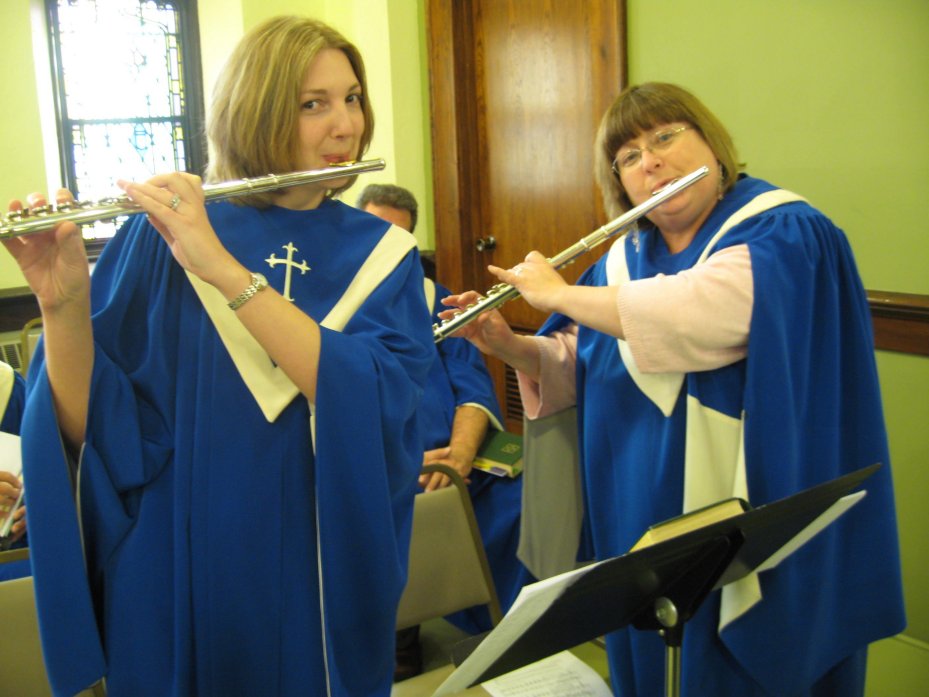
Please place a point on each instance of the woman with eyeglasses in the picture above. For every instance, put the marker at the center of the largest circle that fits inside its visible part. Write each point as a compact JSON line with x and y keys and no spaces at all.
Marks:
{"x":723,"y":348}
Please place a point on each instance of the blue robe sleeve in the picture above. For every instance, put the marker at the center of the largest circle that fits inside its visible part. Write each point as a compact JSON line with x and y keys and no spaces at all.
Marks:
{"x":70,"y":544}
{"x":371,"y":377}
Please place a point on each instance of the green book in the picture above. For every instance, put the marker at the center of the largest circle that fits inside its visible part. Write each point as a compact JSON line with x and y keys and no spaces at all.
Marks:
{"x":500,"y":454}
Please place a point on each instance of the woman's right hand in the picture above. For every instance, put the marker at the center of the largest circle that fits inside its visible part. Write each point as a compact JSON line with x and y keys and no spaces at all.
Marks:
{"x":54,"y":262}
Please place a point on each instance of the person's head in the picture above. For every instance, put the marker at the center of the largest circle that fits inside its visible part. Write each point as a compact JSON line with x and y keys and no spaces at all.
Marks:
{"x":292,"y":96}
{"x":390,"y":202}
{"x":637,"y":114}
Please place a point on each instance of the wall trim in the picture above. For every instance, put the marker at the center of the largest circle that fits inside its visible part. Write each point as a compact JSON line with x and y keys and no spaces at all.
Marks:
{"x":901,"y":321}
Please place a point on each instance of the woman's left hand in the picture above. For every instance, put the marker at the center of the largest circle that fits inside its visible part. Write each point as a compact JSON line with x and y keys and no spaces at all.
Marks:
{"x":537,"y":281}
{"x":176,"y":207}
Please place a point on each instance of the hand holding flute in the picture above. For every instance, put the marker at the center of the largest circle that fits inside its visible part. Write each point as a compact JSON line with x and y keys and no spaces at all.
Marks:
{"x":539,"y":283}
{"x":53,"y":261}
{"x":545,"y":289}
{"x":503,"y":292}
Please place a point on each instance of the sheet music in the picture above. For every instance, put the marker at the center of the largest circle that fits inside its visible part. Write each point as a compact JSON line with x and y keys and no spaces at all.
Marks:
{"x":11,"y":460}
{"x":561,"y":675}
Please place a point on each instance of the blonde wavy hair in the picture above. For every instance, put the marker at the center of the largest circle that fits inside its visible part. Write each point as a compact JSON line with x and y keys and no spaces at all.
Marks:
{"x":644,"y":107}
{"x":252,"y":125}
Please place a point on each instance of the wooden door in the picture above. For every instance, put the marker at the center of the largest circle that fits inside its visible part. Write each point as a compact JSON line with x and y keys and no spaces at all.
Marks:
{"x":518,"y":88}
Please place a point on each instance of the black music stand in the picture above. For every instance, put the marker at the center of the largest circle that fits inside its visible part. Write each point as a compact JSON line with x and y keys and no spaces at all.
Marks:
{"x":655,"y":588}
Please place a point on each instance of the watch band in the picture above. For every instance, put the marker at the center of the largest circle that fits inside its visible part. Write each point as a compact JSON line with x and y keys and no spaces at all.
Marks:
{"x":258,"y":283}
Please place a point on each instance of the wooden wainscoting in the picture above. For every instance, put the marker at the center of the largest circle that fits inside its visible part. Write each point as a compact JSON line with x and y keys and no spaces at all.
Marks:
{"x":901,"y":321}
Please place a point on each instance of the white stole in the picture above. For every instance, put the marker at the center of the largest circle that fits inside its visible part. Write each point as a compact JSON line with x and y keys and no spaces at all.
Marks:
{"x":7,"y":379}
{"x":714,"y":454}
{"x":269,"y":385}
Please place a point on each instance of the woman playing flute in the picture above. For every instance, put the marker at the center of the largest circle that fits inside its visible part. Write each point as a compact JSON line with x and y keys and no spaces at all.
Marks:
{"x":235,"y":394}
{"x":722,"y":349}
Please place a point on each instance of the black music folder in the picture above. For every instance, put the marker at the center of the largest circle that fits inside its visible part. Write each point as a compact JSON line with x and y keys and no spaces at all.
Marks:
{"x":571,"y":608}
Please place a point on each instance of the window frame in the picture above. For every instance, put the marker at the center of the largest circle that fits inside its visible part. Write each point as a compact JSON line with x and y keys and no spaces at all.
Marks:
{"x":192,"y":119}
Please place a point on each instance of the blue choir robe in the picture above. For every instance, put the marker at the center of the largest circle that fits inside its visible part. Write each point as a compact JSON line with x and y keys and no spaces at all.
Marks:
{"x":804,"y":407}
{"x":459,"y":377}
{"x":220,"y":535}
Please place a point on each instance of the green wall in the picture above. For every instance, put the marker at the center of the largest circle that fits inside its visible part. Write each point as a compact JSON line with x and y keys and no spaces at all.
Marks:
{"x":21,"y":146}
{"x":830,"y":98}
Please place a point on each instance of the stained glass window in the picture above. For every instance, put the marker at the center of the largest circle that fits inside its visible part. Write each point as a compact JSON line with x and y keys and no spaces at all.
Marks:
{"x":127,"y":78}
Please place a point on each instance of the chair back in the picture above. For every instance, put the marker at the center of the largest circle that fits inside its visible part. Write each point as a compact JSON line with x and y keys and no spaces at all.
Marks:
{"x":448,"y":569}
{"x":22,"y":668}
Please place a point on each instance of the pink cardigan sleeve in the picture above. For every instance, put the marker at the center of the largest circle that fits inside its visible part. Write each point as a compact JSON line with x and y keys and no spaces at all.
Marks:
{"x":697,"y":319}
{"x":557,"y":387}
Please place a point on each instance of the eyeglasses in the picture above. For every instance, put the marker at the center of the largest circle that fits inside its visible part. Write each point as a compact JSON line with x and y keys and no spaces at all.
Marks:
{"x":657,"y":142}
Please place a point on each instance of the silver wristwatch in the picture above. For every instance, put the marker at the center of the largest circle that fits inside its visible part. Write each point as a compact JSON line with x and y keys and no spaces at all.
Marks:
{"x":258,"y":283}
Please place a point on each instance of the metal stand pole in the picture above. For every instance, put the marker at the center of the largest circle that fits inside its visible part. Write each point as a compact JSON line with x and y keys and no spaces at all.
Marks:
{"x":673,"y":634}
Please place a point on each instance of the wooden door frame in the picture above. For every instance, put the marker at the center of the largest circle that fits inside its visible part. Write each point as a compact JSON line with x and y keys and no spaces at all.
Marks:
{"x":455,"y":137}
{"x":458,"y":153}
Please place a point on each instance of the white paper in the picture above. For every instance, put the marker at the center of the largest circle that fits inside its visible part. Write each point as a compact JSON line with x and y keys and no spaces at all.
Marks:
{"x":561,"y":675}
{"x":533,"y":600}
{"x":813,"y":529}
{"x":11,"y":460}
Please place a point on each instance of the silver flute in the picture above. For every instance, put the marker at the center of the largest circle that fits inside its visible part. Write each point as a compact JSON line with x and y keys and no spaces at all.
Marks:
{"x":502,"y":292}
{"x":37,"y":219}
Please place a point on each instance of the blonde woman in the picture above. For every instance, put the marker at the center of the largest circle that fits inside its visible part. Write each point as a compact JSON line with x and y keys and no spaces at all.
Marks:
{"x":240,"y":433}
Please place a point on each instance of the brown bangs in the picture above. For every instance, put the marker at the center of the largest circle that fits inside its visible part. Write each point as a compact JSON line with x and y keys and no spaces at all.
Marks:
{"x":642,"y":110}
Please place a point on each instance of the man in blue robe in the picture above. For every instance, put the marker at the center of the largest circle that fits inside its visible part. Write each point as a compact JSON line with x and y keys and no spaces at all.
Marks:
{"x":459,"y":405}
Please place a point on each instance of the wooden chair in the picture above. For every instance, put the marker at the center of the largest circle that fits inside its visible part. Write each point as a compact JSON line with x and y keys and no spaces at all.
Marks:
{"x":448,"y":569}
{"x":23,"y":669}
